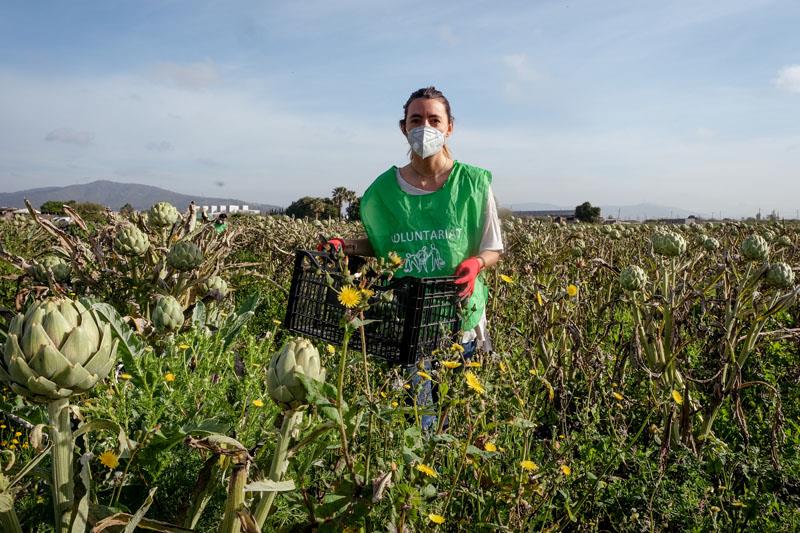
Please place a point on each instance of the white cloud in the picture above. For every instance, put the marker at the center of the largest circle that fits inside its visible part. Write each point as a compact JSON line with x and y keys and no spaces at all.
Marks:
{"x":191,"y":76}
{"x":70,"y":136}
{"x":159,"y":146}
{"x":788,"y":79}
{"x":520,"y":69}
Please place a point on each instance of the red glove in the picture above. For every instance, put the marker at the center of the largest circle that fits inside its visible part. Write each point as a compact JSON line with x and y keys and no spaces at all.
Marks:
{"x":334,"y":244}
{"x":467,"y":271}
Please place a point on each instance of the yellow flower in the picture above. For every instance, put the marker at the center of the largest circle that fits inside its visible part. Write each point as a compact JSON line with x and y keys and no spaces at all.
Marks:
{"x":427,"y":470}
{"x":406,"y":386}
{"x":472,"y":364}
{"x":17,"y":433}
{"x":566,"y":470}
{"x":367,"y":293}
{"x":125,"y":376}
{"x":456,"y":347}
{"x":395,"y":404}
{"x":529,"y":465}
{"x":258,"y":403}
{"x":539,"y":298}
{"x":572,"y":291}
{"x":474,"y":383}
{"x":490,"y":447}
{"x":169,"y":377}
{"x":503,"y":367}
{"x":451,"y":364}
{"x":532,"y":372}
{"x":617,"y":395}
{"x":395,"y":259}
{"x":507,"y":279}
{"x":349,"y":297}
{"x":109,"y":459}
{"x":677,"y":397}
{"x":183,"y":346}
{"x":423,"y":374}
{"x":276,"y":321}
{"x":435,"y":518}
{"x":330,"y":349}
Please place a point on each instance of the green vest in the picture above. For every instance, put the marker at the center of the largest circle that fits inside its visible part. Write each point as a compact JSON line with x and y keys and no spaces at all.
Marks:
{"x":432,"y":232}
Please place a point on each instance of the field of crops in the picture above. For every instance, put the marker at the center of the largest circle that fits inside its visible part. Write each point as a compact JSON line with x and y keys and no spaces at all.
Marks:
{"x":643,"y":378}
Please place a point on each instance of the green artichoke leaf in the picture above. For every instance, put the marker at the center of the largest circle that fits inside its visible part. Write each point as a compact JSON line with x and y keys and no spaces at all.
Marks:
{"x":323,"y":395}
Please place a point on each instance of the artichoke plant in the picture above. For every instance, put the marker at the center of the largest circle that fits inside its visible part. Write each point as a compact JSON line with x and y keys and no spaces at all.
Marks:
{"x":185,"y":256}
{"x":131,"y":241}
{"x":755,"y":248}
{"x":215,"y":286}
{"x":298,"y":356}
{"x":163,"y":214}
{"x":710,"y":244}
{"x":60,"y":268}
{"x":780,"y":276}
{"x":56,"y":349}
{"x":668,"y":243}
{"x":633,"y":278}
{"x":167,"y":314}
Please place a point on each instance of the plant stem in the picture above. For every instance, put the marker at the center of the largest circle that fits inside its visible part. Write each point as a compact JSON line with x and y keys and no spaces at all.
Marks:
{"x":9,"y":522}
{"x":61,"y":437}
{"x":277,"y":469}
{"x":235,"y":501}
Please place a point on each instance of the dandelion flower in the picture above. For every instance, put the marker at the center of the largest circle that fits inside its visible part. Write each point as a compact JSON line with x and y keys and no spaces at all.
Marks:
{"x":539,"y":298}
{"x":169,"y":377}
{"x":258,"y":403}
{"x":349,"y":297}
{"x":109,"y":459}
{"x":472,"y":364}
{"x":677,"y":397}
{"x":423,"y":374}
{"x":474,"y":383}
{"x":456,"y":347}
{"x":490,"y":447}
{"x":451,"y":364}
{"x":276,"y":321}
{"x":507,"y":279}
{"x":183,"y":346}
{"x":530,"y":466}
{"x":395,"y":404}
{"x":566,"y":470}
{"x":427,"y":470}
{"x":617,"y":395}
{"x":436,"y":518}
{"x":367,"y":293}
{"x":330,"y":349}
{"x":125,"y":376}
{"x":572,"y":290}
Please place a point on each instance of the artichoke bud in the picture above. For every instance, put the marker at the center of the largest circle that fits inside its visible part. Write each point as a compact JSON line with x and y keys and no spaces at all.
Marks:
{"x":131,"y":241}
{"x":163,"y":214}
{"x":755,"y":248}
{"x":56,"y":349}
{"x":185,"y":256}
{"x":668,"y":243}
{"x":633,"y":278}
{"x":780,"y":276}
{"x":167,"y":314}
{"x":215,"y":286}
{"x":61,"y":269}
{"x":297,"y":356}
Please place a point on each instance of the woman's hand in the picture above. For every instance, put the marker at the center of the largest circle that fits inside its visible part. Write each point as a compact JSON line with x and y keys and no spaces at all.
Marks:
{"x":467,"y":271}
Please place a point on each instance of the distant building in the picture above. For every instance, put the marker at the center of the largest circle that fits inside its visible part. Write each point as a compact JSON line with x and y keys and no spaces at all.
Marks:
{"x":552,"y":214}
{"x":213,"y":210}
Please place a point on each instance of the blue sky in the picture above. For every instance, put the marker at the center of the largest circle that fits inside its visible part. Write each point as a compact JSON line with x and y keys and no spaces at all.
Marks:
{"x":694,"y":104}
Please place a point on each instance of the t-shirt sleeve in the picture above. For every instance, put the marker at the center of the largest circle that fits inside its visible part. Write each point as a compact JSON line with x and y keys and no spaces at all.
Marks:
{"x":492,"y":238}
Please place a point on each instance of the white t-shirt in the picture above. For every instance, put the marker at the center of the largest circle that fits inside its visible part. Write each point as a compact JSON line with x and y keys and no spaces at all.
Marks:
{"x":492,"y":239}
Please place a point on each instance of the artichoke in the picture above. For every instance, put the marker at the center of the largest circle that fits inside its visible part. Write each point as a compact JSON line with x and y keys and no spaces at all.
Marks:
{"x":632,"y":278}
{"x":185,"y":256}
{"x":784,"y":240}
{"x":167,"y":314}
{"x":215,"y":285}
{"x":131,"y":241}
{"x":56,"y":349}
{"x":298,"y":356}
{"x":163,"y":214}
{"x":60,"y":268}
{"x":755,"y":248}
{"x":710,"y":244}
{"x":668,"y":243}
{"x":780,"y":276}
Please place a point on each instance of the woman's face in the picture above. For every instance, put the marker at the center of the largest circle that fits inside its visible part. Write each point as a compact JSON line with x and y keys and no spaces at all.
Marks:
{"x":428,"y":112}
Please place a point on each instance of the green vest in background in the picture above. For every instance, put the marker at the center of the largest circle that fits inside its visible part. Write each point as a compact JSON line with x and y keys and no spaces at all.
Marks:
{"x":432,"y":232}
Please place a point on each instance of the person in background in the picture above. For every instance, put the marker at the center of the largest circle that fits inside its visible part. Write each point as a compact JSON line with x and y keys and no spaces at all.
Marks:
{"x":435,"y":212}
{"x":221,"y":223}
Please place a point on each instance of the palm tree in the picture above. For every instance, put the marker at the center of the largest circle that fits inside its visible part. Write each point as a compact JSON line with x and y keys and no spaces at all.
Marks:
{"x":340,"y":196}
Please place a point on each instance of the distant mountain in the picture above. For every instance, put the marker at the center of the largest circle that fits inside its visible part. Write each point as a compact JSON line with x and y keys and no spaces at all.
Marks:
{"x":636,"y":211}
{"x":114,"y":195}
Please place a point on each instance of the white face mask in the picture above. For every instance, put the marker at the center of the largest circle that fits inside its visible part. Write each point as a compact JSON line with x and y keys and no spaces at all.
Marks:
{"x":426,"y":141}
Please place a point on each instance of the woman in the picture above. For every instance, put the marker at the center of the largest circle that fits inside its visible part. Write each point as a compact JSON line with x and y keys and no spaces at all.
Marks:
{"x":437,"y":213}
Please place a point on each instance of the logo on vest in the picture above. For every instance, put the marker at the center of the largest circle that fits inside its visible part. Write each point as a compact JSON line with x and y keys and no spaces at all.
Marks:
{"x":426,"y":259}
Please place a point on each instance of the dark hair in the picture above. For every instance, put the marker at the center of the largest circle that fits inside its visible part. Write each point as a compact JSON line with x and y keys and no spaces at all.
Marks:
{"x":431,"y":93}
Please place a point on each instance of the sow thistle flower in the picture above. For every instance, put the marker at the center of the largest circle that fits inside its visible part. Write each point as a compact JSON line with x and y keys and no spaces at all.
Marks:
{"x":566,"y":470}
{"x":617,"y":395}
{"x":507,"y":279}
{"x":423,"y":374}
{"x":474,"y":383}
{"x":490,"y":447}
{"x":258,"y":403}
{"x":451,"y":364}
{"x":436,"y":518}
{"x":349,"y":297}
{"x":427,"y":470}
{"x":528,"y":465}
{"x":572,"y":290}
{"x":109,"y":459}
{"x":676,"y":396}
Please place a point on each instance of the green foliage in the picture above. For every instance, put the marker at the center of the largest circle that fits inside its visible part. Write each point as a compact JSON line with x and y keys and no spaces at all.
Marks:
{"x":311,"y":207}
{"x":56,"y":207}
{"x":586,"y":213}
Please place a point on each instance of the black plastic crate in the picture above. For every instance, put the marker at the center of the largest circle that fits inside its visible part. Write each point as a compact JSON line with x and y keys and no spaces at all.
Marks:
{"x":422,"y":315}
